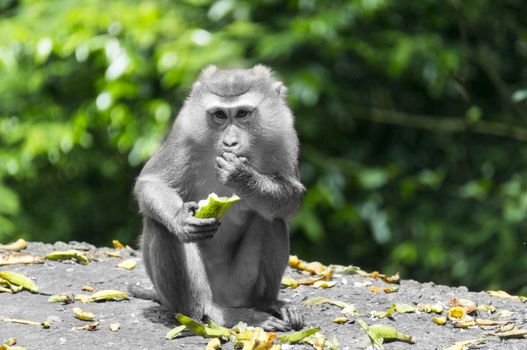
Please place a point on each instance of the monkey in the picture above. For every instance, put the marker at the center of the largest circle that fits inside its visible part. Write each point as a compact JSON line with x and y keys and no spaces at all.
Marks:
{"x":234,"y":134}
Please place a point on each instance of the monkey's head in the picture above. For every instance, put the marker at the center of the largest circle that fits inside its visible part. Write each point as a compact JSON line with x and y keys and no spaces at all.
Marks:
{"x":242,"y":111}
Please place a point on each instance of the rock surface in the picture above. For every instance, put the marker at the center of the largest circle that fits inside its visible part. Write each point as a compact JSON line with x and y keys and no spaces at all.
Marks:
{"x":144,"y":323}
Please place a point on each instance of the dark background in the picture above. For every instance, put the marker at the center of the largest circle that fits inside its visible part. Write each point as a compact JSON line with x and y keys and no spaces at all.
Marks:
{"x":412,"y":118}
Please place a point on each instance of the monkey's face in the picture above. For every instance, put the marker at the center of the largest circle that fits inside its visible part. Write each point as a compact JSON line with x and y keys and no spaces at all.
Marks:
{"x":241,"y":111}
{"x":233,"y":123}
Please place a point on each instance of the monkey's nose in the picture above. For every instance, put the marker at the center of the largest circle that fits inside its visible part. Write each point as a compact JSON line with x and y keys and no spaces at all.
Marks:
{"x":230,"y":143}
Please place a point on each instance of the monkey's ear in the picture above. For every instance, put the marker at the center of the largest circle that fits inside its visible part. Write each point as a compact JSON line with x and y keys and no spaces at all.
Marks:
{"x":260,"y":69}
{"x":208,"y":71}
{"x":280,"y":89}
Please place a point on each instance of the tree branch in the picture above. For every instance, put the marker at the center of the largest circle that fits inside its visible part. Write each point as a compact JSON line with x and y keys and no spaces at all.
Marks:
{"x":439,"y":123}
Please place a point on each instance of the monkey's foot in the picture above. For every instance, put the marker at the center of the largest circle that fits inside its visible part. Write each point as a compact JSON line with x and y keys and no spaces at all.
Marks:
{"x":272,"y":324}
{"x":288,"y":313}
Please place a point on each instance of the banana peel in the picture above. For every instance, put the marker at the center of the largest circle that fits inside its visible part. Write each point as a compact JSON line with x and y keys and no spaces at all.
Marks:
{"x":19,"y":280}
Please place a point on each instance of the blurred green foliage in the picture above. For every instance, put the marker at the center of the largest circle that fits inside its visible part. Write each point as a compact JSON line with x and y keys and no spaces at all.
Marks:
{"x":412,"y":117}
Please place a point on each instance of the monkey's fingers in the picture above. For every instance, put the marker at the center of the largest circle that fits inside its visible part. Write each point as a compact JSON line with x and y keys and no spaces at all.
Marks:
{"x":201,"y":236}
{"x":191,"y":207}
{"x":201,"y":229}
{"x":224,"y":164}
{"x":273,"y":324}
{"x":229,"y":156}
{"x":194,"y":221}
{"x":292,"y":317}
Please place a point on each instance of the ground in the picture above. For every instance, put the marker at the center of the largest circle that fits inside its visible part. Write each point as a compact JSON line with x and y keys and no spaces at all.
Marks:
{"x":144,"y":323}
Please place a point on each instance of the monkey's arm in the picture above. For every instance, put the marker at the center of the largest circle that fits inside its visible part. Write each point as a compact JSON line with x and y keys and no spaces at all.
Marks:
{"x":272,"y":195}
{"x":160,"y":202}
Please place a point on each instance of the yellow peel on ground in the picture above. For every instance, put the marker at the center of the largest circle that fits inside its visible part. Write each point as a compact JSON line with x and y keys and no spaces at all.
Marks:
{"x":514,"y":334}
{"x":213,"y":344}
{"x":214,"y":206}
{"x":19,"y":259}
{"x":67,"y":255}
{"x":128,"y":264}
{"x":324,"y":300}
{"x":102,"y":295}
{"x":503,"y":294}
{"x":89,"y":327}
{"x":340,"y":320}
{"x":60,"y":298}
{"x":175,"y":332}
{"x":380,"y":333}
{"x":324,"y":284}
{"x":45,"y":324}
{"x":439,"y":320}
{"x":108,"y":294}
{"x":462,"y":345}
{"x":19,"y":280}
{"x":117,"y":244}
{"x":17,"y":246}
{"x":298,"y":336}
{"x":429,"y":308}
{"x":456,"y":312}
{"x":202,"y":330}
{"x":83,"y":314}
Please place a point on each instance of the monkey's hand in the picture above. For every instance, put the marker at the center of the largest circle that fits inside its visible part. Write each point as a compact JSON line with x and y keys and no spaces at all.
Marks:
{"x":191,"y":229}
{"x":233,"y":170}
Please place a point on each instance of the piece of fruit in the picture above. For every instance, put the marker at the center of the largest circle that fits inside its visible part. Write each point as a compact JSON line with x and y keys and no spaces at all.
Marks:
{"x":214,"y":206}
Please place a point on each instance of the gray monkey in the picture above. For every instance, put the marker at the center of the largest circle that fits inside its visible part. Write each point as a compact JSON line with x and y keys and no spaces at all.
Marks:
{"x":234,"y":134}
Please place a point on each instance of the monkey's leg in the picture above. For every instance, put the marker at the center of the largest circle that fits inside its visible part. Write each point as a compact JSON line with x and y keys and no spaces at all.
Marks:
{"x":272,"y":270}
{"x":176,"y":270}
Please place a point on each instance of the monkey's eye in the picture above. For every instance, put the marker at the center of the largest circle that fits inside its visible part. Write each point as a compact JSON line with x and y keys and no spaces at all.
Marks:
{"x":242,"y":113}
{"x":219,"y":114}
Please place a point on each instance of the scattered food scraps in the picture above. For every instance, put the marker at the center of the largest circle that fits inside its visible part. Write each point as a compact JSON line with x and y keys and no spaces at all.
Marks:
{"x":503,"y":294}
{"x":462,"y":345}
{"x":439,"y":320}
{"x":102,"y":295}
{"x":20,"y":280}
{"x":114,"y":254}
{"x":175,"y":332}
{"x":456,"y":312}
{"x":513,"y":334}
{"x":340,"y":320}
{"x":213,"y":344}
{"x":380,"y":333}
{"x":69,"y":255}
{"x":323,"y":300}
{"x":114,"y":327}
{"x":319,"y":342}
{"x":45,"y":324}
{"x":19,"y":258}
{"x":60,"y":298}
{"x":127,"y":264}
{"x":298,"y":336}
{"x":17,"y":246}
{"x":88,"y":288}
{"x":324,"y":284}
{"x":202,"y":330}
{"x":117,"y":244}
{"x":314,"y":267}
{"x":386,"y":290}
{"x":89,"y":327}
{"x":429,"y":308}
{"x":83,"y":314}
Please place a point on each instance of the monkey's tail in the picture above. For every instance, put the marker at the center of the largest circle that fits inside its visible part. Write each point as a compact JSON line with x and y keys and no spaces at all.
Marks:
{"x":140,"y":292}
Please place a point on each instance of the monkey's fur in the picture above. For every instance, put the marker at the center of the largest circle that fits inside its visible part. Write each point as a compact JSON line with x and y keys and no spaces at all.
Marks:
{"x":234,"y":134}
